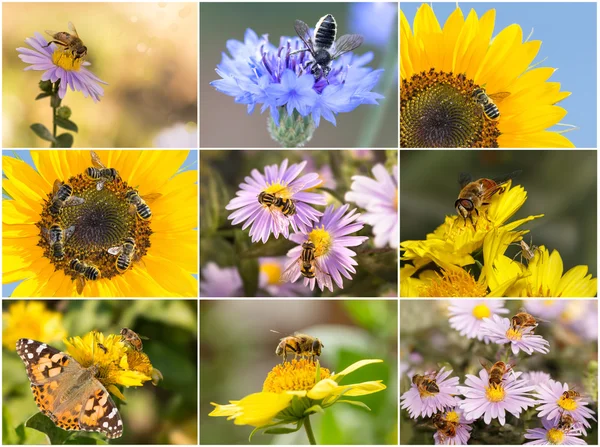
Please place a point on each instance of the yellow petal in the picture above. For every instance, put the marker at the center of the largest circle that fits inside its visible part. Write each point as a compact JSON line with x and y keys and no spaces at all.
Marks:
{"x":256,"y":409}
{"x":339,"y":376}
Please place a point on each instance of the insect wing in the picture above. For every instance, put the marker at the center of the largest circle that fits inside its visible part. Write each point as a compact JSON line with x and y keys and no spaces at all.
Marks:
{"x":346,"y":43}
{"x":80,"y":283}
{"x":69,"y":232}
{"x":505,"y":178}
{"x":291,"y":272}
{"x":49,"y":237}
{"x":115,"y":250}
{"x":74,"y":201}
{"x":96,"y":160}
{"x":56,"y":186}
{"x":303,"y":32}
{"x":499,"y":97}
{"x":323,"y":278}
{"x":72,"y":29}
{"x":149,"y":198}
{"x":279,"y":219}
{"x":100,"y":184}
{"x":464,"y":179}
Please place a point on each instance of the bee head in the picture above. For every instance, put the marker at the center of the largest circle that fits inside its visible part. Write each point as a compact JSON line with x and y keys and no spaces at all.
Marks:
{"x":316,"y":347}
{"x":308,"y":245}
{"x":464,"y":207}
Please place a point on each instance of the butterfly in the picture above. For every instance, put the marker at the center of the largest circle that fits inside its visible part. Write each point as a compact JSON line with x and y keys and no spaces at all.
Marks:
{"x":66,"y":392}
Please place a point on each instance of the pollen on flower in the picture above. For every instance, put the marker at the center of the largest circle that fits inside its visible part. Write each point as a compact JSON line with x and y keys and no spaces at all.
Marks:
{"x":495,"y":393}
{"x":65,"y":60}
{"x":514,"y":334}
{"x":297,"y":375}
{"x":481,"y":311}
{"x":454,"y":283}
{"x":555,"y":436}
{"x":567,"y":403}
{"x":273,"y":272}
{"x":452,"y":416}
{"x":322,"y":240}
{"x":279,"y":190}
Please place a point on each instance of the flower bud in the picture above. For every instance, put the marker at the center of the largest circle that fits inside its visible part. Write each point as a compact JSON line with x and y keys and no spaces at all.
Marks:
{"x":292,"y":131}
{"x":64,"y":112}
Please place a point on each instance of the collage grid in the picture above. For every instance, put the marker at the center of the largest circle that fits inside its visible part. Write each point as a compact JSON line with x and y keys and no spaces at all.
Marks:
{"x":217,"y":286}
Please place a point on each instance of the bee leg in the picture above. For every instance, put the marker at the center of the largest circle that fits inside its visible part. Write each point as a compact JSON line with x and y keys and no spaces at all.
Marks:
{"x":56,"y":42}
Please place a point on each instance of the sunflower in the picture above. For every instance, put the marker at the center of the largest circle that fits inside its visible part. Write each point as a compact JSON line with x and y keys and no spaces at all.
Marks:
{"x":96,"y":216}
{"x":450,"y":75}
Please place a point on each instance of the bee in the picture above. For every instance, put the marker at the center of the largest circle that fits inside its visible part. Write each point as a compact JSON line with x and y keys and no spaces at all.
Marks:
{"x":100,"y":173}
{"x":125,"y":254}
{"x":71,"y":42}
{"x":309,"y":267}
{"x":138,"y":205}
{"x":104,"y":349}
{"x":281,"y":209}
{"x":85,"y":271}
{"x":571,"y":394}
{"x":523,"y":319}
{"x":527,"y":251}
{"x":426,"y":383}
{"x":489,"y":107}
{"x":496,"y":372}
{"x":56,"y":237}
{"x":287,"y":206}
{"x":566,"y":422}
{"x":474,"y":194}
{"x":300,"y":345}
{"x":446,"y":428}
{"x":63,"y":196}
{"x":322,"y":45}
{"x":132,"y":339}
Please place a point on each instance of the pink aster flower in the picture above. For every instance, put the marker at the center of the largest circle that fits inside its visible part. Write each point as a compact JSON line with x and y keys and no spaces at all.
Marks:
{"x":466,"y":316}
{"x":536,"y":377}
{"x":282,"y":182}
{"x":493,"y":400}
{"x":499,"y":331}
{"x":56,"y":65}
{"x":551,"y":434}
{"x":463,"y":429}
{"x":553,"y":403}
{"x":330,"y":238}
{"x":220,"y":282}
{"x":545,"y":309}
{"x":423,"y":403}
{"x":379,"y":197}
{"x":270,"y":270}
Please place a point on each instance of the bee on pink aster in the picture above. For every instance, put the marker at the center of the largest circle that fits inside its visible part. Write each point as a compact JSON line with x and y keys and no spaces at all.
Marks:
{"x":323,"y":256}
{"x":430,"y":393}
{"x":553,"y":434}
{"x":269,"y":203}
{"x":521,"y":338}
{"x":466,"y":316}
{"x":454,"y":429}
{"x":556,"y":399}
{"x":490,"y":400}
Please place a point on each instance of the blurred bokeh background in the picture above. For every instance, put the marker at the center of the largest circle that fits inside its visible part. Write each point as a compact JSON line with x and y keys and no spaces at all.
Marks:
{"x":163,"y":414}
{"x":367,"y":126}
{"x":148,"y":54}
{"x":237,"y":350}
{"x":559,"y":184}
{"x":221,"y":172}
{"x":427,"y":342}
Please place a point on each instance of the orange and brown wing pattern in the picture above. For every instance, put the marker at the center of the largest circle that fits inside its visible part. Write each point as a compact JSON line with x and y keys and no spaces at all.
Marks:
{"x":44,"y":363}
{"x":100,"y":413}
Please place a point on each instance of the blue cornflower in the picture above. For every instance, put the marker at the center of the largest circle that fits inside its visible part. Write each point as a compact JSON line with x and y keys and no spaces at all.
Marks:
{"x":257,"y":73}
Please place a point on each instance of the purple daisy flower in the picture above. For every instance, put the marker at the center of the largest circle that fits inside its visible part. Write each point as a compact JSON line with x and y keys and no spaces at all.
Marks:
{"x":463,"y":429}
{"x":423,"y":403}
{"x":258,"y":73}
{"x":545,"y":309}
{"x":466,"y":316}
{"x":270,"y":279}
{"x":332,"y":257}
{"x":493,"y":401}
{"x":536,"y":377}
{"x":551,"y":434}
{"x":582,"y":318}
{"x":281,"y":182}
{"x":58,"y":65}
{"x":220,"y":282}
{"x":379,"y":198}
{"x":554,"y":403}
{"x":499,"y":331}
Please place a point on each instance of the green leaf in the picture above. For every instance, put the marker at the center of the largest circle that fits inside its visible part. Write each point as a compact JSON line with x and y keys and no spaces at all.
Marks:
{"x":42,"y":423}
{"x":64,"y":140}
{"x":314,"y":409}
{"x":281,"y":431}
{"x":42,"y":131}
{"x":356,"y":403}
{"x":42,"y":96}
{"x":66,"y":124}
{"x":55,"y":101}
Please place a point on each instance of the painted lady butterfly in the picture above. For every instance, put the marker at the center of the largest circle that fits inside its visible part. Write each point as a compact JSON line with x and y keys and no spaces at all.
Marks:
{"x":66,"y":392}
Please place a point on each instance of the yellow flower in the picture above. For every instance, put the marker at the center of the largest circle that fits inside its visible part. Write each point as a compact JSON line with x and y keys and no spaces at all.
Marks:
{"x":544,"y":278}
{"x":165,"y":252}
{"x":117,"y":362}
{"x":293,"y":391}
{"x":31,"y":319}
{"x":442,"y":67}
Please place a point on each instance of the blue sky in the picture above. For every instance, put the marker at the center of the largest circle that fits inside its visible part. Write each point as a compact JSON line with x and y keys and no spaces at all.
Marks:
{"x":568,"y":35}
{"x":191,"y":162}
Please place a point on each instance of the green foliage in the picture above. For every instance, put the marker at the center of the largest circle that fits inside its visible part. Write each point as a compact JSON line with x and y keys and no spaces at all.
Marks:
{"x":60,"y":118}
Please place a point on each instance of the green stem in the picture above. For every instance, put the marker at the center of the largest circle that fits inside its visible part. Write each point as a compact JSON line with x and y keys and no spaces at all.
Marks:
{"x":55,"y":104}
{"x":374,"y":121}
{"x":309,"y":431}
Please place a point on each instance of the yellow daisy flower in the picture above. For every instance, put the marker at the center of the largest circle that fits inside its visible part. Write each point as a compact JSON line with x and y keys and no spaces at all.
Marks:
{"x":118,"y":363}
{"x":448,"y":75}
{"x":31,"y":319}
{"x":292,"y":392}
{"x":99,"y":219}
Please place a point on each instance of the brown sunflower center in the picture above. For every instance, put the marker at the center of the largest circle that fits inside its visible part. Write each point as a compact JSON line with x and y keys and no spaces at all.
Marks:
{"x":437,"y":109}
{"x":92,"y":221}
